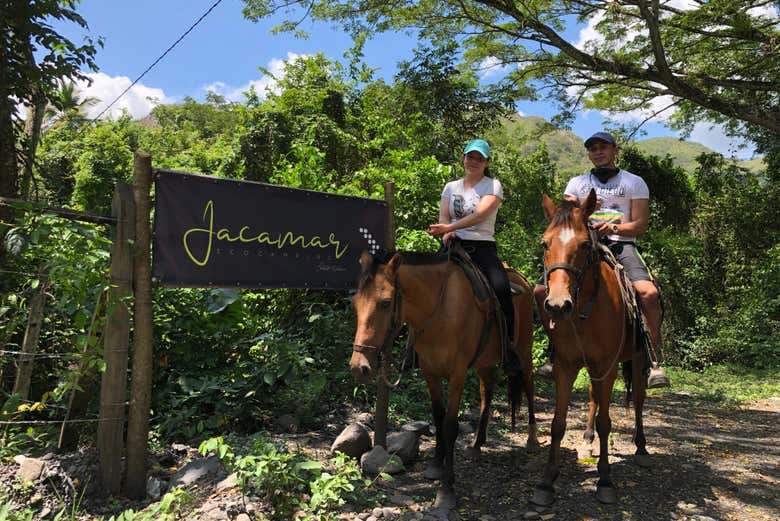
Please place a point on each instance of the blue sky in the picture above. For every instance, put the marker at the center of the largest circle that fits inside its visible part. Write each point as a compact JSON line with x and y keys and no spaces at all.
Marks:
{"x":224,"y":51}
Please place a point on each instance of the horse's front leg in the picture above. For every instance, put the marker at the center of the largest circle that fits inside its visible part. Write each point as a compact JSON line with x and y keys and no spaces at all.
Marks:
{"x":564,"y":375}
{"x":435,"y":469}
{"x":605,"y":490}
{"x":486,"y":384}
{"x":445,"y":496}
{"x":586,"y":449}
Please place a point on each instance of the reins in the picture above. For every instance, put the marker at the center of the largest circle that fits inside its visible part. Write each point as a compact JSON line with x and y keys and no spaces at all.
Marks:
{"x":395,"y":327}
{"x":594,"y":260}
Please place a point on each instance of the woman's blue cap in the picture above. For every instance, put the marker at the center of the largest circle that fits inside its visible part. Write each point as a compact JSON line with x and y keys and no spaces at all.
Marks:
{"x":480,"y":145}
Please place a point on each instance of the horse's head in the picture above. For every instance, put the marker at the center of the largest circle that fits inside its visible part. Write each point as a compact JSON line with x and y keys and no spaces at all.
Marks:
{"x":568,"y":248}
{"x":377,"y":305}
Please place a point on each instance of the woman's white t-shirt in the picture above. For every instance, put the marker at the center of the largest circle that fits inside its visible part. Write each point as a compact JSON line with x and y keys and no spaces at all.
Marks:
{"x":463,"y":201}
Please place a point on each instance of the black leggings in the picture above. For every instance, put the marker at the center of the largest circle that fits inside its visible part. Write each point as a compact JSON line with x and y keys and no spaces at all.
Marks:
{"x":484,"y":255}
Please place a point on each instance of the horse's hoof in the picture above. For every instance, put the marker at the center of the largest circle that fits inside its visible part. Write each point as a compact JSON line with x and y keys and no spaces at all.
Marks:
{"x":544,"y":497}
{"x":472,"y":453}
{"x":433,"y":471}
{"x":445,"y":499}
{"x":606,"y":494}
{"x":643,"y":460}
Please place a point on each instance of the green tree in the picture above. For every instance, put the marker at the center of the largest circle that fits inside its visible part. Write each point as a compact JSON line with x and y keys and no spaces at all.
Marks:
{"x":714,"y":60}
{"x":25,"y":31}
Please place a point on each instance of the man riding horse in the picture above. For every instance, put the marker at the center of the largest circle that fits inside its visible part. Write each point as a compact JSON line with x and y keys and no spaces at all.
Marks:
{"x":622,"y":214}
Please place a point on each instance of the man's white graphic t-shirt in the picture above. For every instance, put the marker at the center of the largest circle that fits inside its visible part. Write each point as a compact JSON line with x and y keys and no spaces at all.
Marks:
{"x":616,"y":196}
{"x":463,"y":202}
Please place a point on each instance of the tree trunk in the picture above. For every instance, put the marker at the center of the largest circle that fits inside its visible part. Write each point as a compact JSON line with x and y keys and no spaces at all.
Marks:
{"x":30,"y":342}
{"x":8,"y":165}
{"x":32,"y":134}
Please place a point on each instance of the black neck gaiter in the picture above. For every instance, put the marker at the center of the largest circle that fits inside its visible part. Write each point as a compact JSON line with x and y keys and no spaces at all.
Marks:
{"x":604,"y":173}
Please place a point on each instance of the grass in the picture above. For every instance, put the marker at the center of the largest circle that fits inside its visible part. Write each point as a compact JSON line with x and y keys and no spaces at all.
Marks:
{"x":718,"y":383}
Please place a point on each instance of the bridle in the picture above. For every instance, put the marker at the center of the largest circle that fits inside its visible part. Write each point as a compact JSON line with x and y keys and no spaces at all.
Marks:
{"x":592,"y":260}
{"x":392,"y":330}
{"x":396,"y":322}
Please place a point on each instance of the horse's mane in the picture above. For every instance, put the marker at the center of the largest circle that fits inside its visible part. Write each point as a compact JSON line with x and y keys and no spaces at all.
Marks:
{"x":412,"y":258}
{"x":565,"y":214}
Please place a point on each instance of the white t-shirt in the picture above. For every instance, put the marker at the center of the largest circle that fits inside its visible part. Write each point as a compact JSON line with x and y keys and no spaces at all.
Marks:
{"x":616,"y":196}
{"x":463,"y":202}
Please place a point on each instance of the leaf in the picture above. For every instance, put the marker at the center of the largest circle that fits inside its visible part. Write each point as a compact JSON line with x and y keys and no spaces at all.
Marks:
{"x":309,"y":465}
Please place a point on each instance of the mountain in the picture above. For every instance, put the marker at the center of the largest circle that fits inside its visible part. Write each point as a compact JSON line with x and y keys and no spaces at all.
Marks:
{"x":567,"y":152}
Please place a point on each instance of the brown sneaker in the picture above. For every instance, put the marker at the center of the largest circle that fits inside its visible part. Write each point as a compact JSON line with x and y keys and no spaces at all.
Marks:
{"x":657,"y":378}
{"x":545,"y":371}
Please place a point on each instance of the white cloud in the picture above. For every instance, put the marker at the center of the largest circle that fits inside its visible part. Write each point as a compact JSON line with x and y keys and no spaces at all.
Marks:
{"x":714,"y":137}
{"x":491,"y":66}
{"x":138,"y":101}
{"x":262,"y":86}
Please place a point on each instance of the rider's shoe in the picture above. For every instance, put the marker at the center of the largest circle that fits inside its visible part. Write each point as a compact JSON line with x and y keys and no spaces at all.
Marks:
{"x":657,"y":378}
{"x":545,"y":371}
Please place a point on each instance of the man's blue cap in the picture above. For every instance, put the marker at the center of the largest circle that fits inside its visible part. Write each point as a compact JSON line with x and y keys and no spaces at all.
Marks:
{"x":480,"y":145}
{"x":600,"y":136}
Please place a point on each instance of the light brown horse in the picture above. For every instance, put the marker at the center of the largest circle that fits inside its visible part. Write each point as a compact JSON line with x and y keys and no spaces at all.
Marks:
{"x":434,"y":297}
{"x":590,"y":328}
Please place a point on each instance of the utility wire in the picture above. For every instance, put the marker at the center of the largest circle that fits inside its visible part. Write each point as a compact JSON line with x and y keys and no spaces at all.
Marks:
{"x":169,"y":49}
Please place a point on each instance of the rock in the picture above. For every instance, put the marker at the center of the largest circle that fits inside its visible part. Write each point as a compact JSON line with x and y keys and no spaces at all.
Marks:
{"x":420,"y":428}
{"x":465,"y":428}
{"x":229,"y":482}
{"x":487,"y":518}
{"x":378,"y":460}
{"x":243,"y":517}
{"x":287,"y":423}
{"x":404,"y":444}
{"x":688,"y":509}
{"x":531,"y":514}
{"x":401,"y":500}
{"x":377,"y":512}
{"x":180,"y":448}
{"x":354,"y":441}
{"x":153,"y":488}
{"x":30,"y":469}
{"x":699,"y":517}
{"x":196,"y":470}
{"x":35,"y":499}
{"x":363,"y":516}
{"x":389,"y":513}
{"x":365,"y":418}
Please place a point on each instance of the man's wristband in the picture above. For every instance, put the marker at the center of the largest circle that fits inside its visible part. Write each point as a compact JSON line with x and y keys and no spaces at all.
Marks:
{"x":614,"y":228}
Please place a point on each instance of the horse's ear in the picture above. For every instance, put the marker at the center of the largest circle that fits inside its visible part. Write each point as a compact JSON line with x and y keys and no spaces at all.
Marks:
{"x":589,"y":206}
{"x":366,"y":260}
{"x":548,"y":206}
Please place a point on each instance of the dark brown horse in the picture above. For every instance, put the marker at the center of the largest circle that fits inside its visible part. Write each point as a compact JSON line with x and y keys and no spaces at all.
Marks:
{"x":590,"y":328}
{"x":434,"y":297}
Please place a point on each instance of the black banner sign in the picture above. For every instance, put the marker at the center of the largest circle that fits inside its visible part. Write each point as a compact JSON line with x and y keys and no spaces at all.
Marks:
{"x":221,"y":232}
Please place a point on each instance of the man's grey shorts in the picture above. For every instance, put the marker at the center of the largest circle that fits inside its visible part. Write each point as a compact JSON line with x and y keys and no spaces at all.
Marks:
{"x":626,"y":254}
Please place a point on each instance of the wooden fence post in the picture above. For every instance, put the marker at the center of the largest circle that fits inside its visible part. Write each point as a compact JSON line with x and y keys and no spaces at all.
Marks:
{"x":30,"y":342}
{"x":141,"y":381}
{"x":113,"y":386}
{"x":382,"y":390}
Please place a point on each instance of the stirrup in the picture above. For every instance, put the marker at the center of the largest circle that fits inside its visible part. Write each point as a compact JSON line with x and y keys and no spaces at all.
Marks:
{"x":657,"y":378}
{"x":545,"y":371}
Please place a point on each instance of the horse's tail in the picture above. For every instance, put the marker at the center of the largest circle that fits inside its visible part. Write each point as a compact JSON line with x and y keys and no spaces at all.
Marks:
{"x":514,"y":391}
{"x":628,"y":371}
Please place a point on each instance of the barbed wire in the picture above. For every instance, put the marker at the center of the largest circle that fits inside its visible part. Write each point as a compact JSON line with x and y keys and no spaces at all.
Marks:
{"x":41,"y":355}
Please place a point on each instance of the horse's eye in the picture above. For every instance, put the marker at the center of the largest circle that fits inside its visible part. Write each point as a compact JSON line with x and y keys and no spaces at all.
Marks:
{"x":386,"y":303}
{"x":543,"y":245}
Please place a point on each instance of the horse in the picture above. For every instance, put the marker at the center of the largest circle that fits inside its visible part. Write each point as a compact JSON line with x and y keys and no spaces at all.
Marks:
{"x":452,"y":331}
{"x":590,"y":327}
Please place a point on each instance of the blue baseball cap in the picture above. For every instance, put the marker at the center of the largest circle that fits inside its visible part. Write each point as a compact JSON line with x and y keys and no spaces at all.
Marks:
{"x":480,"y":145}
{"x":600,"y":136}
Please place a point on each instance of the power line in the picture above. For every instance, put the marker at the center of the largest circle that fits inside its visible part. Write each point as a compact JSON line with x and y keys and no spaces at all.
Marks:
{"x":169,"y":49}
